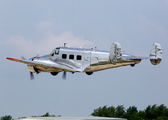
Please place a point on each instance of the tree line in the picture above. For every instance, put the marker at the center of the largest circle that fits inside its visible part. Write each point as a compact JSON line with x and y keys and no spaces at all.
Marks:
{"x":9,"y":117}
{"x":153,"y":112}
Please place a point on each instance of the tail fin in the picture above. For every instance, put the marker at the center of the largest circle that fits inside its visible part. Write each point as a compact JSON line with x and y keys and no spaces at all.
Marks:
{"x":156,"y":54}
{"x":115,"y":52}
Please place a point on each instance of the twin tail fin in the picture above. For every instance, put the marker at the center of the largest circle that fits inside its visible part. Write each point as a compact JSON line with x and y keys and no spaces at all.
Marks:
{"x":156,"y":54}
{"x":115,"y":52}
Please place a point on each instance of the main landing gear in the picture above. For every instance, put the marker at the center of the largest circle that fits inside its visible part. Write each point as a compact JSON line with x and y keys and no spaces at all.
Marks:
{"x":54,"y":73}
{"x":132,"y":65}
{"x":89,"y":73}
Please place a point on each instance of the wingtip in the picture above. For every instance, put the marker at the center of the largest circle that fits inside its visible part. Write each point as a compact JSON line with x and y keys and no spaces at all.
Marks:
{"x":13,"y":59}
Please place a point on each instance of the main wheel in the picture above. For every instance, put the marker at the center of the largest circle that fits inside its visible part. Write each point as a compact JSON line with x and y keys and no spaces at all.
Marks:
{"x":89,"y":73}
{"x":132,"y":65}
{"x":54,"y":73}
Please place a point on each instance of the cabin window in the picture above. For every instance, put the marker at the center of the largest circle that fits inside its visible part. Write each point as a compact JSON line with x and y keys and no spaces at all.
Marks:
{"x":71,"y":56}
{"x":78,"y":57}
{"x":64,"y":56}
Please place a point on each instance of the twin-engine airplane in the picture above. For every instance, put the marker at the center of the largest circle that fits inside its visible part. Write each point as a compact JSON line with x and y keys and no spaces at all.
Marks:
{"x":67,"y":59}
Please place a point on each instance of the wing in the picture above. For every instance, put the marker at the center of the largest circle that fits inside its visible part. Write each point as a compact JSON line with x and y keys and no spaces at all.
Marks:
{"x":48,"y":65}
{"x":128,"y":56}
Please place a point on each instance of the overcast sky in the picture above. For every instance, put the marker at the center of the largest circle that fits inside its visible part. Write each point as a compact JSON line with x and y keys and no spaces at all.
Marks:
{"x":31,"y":27}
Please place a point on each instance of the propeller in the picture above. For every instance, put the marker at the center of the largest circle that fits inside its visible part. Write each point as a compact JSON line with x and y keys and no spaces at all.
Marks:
{"x":31,"y":76}
{"x":37,"y":55}
{"x":64,"y":75}
{"x":31,"y":73}
{"x":23,"y":58}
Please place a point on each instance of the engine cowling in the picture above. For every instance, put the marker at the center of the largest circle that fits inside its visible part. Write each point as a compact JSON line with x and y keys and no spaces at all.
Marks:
{"x":32,"y":69}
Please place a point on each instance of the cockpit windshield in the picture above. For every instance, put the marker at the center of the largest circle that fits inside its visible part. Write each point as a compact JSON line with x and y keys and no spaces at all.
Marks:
{"x":55,"y":51}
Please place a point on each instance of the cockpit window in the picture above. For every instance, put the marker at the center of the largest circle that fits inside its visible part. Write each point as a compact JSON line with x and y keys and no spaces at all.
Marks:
{"x":57,"y":51}
{"x":52,"y":54}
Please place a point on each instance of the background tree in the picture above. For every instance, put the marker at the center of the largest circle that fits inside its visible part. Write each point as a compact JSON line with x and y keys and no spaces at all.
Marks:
{"x":112,"y":111}
{"x":104,"y":111}
{"x":47,"y":115}
{"x":120,"y":111}
{"x":131,"y":113}
{"x":6,"y":117}
{"x":150,"y":113}
{"x":141,"y":114}
{"x":156,"y":112}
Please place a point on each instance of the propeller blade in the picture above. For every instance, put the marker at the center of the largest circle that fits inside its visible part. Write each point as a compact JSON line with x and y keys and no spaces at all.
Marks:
{"x":31,"y":76}
{"x":37,"y":55}
{"x":23,"y":58}
{"x":64,"y":75}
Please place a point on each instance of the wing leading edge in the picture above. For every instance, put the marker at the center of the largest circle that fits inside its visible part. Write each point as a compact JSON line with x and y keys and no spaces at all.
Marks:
{"x":49,"y":65}
{"x":135,"y":57}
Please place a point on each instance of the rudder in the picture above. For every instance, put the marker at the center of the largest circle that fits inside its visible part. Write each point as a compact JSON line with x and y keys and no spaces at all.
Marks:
{"x":115,"y":52}
{"x":156,"y":54}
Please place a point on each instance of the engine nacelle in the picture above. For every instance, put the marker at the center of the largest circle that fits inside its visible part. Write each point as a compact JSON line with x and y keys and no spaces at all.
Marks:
{"x":32,"y":69}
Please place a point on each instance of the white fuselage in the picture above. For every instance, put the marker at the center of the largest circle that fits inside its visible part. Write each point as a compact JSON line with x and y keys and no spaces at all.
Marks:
{"x":80,"y":60}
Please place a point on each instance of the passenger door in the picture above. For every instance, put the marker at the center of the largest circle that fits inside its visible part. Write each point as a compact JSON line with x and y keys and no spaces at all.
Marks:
{"x":87,"y":60}
{"x":94,"y":60}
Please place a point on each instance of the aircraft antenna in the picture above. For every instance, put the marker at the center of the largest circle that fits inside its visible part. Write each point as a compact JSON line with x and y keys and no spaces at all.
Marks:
{"x":69,"y":45}
{"x":65,"y":44}
{"x":81,"y":45}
